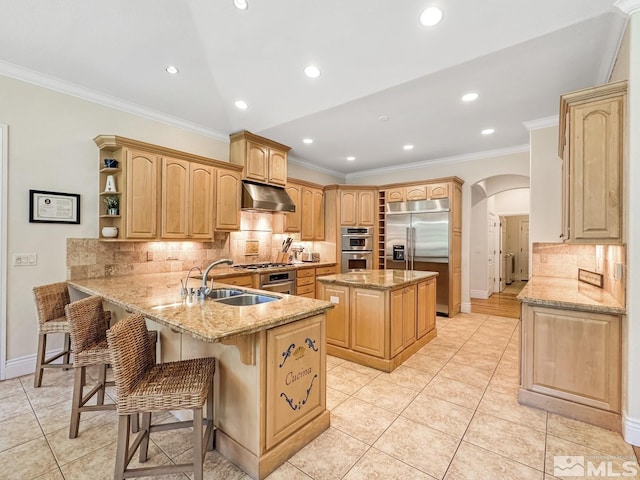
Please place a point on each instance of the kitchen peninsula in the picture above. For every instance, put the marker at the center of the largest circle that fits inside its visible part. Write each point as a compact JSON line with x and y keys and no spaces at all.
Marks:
{"x":381,"y":317}
{"x":270,"y":390}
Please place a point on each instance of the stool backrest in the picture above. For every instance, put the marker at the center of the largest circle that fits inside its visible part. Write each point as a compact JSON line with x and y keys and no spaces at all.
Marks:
{"x":50,"y":301}
{"x":86,"y":322}
{"x":131,"y":353}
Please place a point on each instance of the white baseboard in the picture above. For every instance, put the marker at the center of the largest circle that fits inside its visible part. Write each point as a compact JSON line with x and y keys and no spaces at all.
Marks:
{"x":631,"y":430}
{"x":479,"y":294}
{"x":17,"y":367}
{"x":465,"y":307}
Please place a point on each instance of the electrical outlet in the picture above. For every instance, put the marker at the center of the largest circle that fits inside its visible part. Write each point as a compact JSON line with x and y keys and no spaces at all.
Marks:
{"x":25,"y":259}
{"x":619,"y":271}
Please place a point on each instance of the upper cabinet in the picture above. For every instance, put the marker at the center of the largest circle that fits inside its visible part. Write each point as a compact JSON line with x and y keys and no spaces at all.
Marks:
{"x":308,"y":219}
{"x":263,"y":160}
{"x":591,"y":146}
{"x":417,"y":192}
{"x":358,"y":208}
{"x":165,"y":194}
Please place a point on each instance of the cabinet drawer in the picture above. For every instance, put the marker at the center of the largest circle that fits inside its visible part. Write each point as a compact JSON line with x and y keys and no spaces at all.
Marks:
{"x":306,"y":289}
{"x":305,"y":281}
{"x":305,"y":272}
{"x":306,"y":295}
{"x":325,"y":271}
{"x":240,"y":281}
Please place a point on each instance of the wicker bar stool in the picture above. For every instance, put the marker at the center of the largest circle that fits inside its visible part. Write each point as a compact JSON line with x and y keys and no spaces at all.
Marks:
{"x":143,"y":387}
{"x":50,"y":302}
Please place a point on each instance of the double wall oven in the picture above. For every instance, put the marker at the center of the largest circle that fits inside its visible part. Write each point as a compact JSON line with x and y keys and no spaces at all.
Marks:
{"x":357,"y":249}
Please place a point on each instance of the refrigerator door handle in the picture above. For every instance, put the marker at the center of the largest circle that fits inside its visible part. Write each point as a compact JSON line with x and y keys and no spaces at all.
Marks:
{"x":413,"y":246}
{"x":407,"y":241}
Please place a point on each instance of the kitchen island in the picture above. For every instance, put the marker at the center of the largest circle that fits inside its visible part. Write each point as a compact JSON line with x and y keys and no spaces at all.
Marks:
{"x":381,"y":317}
{"x":270,"y":382}
{"x":571,"y":350}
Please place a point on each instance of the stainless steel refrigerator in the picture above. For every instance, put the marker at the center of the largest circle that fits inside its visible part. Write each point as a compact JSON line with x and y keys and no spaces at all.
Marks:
{"x":417,"y":238}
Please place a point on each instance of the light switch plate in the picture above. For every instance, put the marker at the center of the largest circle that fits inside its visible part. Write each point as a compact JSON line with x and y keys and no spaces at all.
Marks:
{"x":25,"y":259}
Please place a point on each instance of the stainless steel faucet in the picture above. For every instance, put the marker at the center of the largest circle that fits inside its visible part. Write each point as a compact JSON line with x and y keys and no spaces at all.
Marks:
{"x":185,"y":287}
{"x":204,"y":289}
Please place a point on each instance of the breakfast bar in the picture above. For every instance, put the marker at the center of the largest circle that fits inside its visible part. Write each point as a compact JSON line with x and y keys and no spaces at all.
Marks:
{"x":270,"y":381}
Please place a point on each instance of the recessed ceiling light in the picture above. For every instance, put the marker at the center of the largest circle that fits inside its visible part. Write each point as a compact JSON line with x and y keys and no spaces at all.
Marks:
{"x":172,"y":69}
{"x":241,"y":4}
{"x":241,"y":105}
{"x":408,"y":147}
{"x":383,"y":118}
{"x":308,"y":141}
{"x":488,"y":131}
{"x":351,"y":158}
{"x":312,"y":71}
{"x":431,"y":16}
{"x":470,"y":97}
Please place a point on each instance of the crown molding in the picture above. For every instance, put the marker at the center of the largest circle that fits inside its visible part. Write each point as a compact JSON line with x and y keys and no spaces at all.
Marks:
{"x":468,"y":157}
{"x":628,"y":6}
{"x":545,"y":122}
{"x":52,"y":83}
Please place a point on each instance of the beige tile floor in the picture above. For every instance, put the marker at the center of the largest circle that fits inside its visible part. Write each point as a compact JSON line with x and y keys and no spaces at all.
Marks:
{"x":450,"y":412}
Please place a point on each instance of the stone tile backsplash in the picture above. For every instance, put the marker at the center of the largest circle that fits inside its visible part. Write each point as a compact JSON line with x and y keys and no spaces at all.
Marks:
{"x":563,"y":260}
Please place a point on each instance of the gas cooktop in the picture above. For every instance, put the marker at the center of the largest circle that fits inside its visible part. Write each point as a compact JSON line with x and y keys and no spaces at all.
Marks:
{"x":257,"y":266}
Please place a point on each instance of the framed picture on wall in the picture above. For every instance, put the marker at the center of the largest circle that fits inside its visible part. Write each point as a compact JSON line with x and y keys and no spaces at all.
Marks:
{"x":53,"y":207}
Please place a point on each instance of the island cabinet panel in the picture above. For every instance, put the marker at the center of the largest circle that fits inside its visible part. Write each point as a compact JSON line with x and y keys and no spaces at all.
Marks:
{"x":296,"y":364}
{"x":143,"y":171}
{"x":368,"y":319}
{"x":426,"y":311}
{"x":338,"y":324}
{"x":403,"y":318}
{"x":572,"y":355}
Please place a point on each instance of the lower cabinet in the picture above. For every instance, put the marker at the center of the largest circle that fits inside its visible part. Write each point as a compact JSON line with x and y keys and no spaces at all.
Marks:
{"x":571,"y":362}
{"x":379,"y":328}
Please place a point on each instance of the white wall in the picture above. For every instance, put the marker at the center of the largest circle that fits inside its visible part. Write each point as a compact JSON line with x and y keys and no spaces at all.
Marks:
{"x":295,"y":170}
{"x":512,"y":202}
{"x":478,"y":249}
{"x":546,"y":186}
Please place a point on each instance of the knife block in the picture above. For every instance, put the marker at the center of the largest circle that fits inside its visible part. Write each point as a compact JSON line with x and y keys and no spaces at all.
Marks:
{"x":282,"y":257}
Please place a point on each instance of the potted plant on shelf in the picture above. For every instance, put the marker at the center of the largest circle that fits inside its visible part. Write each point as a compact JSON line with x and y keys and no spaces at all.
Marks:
{"x":112,"y":202}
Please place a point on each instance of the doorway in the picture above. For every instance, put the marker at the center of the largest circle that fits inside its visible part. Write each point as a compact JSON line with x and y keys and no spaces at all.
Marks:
{"x":514,"y":251}
{"x":4,"y":149}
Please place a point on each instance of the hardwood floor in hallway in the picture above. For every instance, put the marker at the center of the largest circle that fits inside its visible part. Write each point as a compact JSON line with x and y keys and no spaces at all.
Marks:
{"x":504,"y":304}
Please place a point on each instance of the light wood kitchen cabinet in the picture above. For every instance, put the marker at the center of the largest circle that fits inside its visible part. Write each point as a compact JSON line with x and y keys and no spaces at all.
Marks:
{"x":592,"y":124}
{"x":292,"y":220}
{"x":338,"y":318}
{"x":312,"y":212}
{"x":417,"y":192}
{"x":142,"y":194}
{"x":358,"y":208}
{"x":187,"y":199}
{"x":264,"y":160}
{"x":306,"y":280}
{"x":425,"y":312}
{"x":571,"y":363}
{"x":368,"y":321}
{"x":403,"y":318}
{"x":228,"y":191}
{"x":167,"y":194}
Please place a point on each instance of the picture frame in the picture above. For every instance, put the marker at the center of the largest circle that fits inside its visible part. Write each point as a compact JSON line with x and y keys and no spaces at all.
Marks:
{"x":53,"y":207}
{"x":592,"y":278}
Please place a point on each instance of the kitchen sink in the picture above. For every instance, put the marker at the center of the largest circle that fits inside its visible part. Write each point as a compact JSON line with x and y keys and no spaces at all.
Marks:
{"x":248,"y":299}
{"x":218,"y":293}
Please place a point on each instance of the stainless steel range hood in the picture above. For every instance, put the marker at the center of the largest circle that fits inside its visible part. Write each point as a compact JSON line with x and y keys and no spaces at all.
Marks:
{"x":262,"y":197}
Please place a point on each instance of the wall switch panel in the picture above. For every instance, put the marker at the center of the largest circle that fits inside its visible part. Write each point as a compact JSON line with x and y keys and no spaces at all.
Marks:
{"x":24,"y":259}
{"x":619,"y":271}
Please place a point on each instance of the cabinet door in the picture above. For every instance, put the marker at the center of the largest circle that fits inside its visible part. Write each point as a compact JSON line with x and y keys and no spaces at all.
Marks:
{"x":403,"y":318}
{"x":175,"y":198}
{"x":572,"y":355}
{"x":395,"y":195}
{"x":366,"y":209}
{"x":368,"y":314}
{"x":595,"y":170}
{"x":228,"y":200}
{"x":348,"y":208}
{"x":256,"y":167}
{"x":426,"y":311}
{"x":417,"y":192}
{"x":438,"y":190}
{"x":307,"y":219}
{"x":277,"y":167}
{"x":142,"y":194}
{"x":396,"y":312}
{"x":318,"y":214}
{"x":292,"y":220}
{"x":338,"y":318}
{"x":201,"y":201}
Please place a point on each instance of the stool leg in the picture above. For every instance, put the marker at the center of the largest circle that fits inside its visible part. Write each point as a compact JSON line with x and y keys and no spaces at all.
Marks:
{"x":210,"y":444}
{"x":144,"y":444}
{"x":76,"y":401}
{"x":135,"y":423}
{"x":42,"y":346}
{"x":198,"y":458}
{"x":102,"y":379}
{"x":67,"y":347}
{"x":122,"y":451}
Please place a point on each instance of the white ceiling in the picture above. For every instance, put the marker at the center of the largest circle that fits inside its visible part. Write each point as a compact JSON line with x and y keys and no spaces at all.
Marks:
{"x":376,"y":59}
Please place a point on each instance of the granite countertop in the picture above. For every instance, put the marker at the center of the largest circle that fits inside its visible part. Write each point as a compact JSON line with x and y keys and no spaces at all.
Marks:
{"x":569,"y":293}
{"x":223,"y":271}
{"x":157,"y":297}
{"x":377,"y":279}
